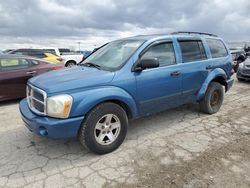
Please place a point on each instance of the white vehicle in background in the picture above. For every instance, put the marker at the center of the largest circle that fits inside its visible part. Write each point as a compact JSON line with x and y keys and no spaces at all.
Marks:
{"x":69,"y":58}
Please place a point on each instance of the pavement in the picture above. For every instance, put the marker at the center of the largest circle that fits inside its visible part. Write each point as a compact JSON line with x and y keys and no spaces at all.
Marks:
{"x":181,"y":147}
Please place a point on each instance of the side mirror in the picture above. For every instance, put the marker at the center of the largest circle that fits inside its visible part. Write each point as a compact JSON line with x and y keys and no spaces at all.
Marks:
{"x":147,"y":64}
{"x":241,"y":58}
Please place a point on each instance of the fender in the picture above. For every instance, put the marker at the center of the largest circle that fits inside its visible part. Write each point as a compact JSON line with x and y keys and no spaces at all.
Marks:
{"x":84,"y":101}
{"x":218,"y":72}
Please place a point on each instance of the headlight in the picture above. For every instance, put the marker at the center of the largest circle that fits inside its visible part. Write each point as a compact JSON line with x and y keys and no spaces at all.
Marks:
{"x":59,"y":106}
{"x":241,"y":65}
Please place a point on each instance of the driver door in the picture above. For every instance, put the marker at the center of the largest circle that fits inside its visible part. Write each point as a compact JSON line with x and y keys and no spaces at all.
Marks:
{"x":159,"y":88}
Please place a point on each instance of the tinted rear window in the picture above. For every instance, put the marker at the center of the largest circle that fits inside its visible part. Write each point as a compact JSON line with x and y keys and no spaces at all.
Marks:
{"x":64,"y":50}
{"x":52,"y":51}
{"x":38,"y":54}
{"x":192,"y":51}
{"x":217,"y":48}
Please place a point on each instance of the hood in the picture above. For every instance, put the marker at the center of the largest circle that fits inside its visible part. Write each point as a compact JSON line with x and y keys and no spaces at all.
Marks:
{"x":71,"y":78}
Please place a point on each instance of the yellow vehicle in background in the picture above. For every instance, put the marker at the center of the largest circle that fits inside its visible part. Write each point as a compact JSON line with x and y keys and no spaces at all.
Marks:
{"x":52,"y":58}
{"x":38,"y":53}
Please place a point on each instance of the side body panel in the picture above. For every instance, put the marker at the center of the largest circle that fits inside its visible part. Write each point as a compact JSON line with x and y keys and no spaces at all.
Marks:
{"x":86,"y":100}
{"x":13,"y":83}
{"x":193,"y":75}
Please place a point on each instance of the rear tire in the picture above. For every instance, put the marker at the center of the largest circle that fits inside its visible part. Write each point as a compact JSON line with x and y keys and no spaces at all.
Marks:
{"x":70,"y":64}
{"x":213,"y":98}
{"x":104,"y":128}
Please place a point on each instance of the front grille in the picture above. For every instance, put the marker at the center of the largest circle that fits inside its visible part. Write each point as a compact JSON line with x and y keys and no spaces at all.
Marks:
{"x":246,"y":71}
{"x":36,"y":99}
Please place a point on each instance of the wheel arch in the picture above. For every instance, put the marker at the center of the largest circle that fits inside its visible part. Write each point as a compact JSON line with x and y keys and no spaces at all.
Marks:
{"x":217,"y":75}
{"x":122,"y":104}
{"x":86,"y":101}
{"x":221,"y":80}
{"x":69,"y":61}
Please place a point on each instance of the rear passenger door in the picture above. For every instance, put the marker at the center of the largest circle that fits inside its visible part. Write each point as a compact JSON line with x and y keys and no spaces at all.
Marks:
{"x":195,"y":65}
{"x":159,"y":88}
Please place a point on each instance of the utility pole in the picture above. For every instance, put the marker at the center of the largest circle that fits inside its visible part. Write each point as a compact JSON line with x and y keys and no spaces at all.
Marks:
{"x":79,"y":45}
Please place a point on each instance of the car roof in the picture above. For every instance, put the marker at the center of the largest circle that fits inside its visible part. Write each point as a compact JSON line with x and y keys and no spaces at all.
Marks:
{"x":18,"y":56}
{"x":175,"y":34}
{"x":28,"y":49}
{"x":6,"y":56}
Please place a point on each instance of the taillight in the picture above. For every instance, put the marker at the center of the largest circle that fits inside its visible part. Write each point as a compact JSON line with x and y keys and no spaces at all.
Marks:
{"x":57,"y":67}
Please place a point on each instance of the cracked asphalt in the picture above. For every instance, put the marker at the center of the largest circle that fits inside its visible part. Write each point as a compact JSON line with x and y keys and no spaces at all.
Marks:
{"x":176,"y":148}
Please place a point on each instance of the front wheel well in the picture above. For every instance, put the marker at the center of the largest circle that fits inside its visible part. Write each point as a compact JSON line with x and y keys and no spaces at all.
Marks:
{"x":122,"y":104}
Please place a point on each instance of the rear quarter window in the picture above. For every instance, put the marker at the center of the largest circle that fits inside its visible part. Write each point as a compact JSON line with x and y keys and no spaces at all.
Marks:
{"x":52,"y":51}
{"x":217,"y":48}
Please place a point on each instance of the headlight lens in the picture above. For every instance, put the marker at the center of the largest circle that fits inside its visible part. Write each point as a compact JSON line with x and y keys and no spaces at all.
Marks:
{"x":241,"y":65}
{"x":59,"y":106}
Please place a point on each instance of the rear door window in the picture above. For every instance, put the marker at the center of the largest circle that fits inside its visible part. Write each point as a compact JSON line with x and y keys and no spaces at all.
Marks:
{"x":217,"y":48}
{"x":192,"y":50}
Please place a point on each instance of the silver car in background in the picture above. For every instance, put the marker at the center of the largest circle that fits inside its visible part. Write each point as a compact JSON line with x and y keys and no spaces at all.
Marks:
{"x":243,"y":72}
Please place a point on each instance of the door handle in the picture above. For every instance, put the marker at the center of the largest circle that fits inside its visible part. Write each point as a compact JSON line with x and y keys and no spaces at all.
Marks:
{"x":31,"y":72}
{"x":176,"y":73}
{"x":209,"y":67}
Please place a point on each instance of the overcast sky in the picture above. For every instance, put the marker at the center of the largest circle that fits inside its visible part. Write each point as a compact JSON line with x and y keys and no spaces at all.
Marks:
{"x":64,"y":23}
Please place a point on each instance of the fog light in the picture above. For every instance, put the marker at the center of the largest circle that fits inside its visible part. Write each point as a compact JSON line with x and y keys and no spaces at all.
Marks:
{"x":43,"y":131}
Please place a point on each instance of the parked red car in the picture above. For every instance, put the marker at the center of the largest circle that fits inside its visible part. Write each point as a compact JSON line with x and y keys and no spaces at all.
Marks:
{"x":15,"y":70}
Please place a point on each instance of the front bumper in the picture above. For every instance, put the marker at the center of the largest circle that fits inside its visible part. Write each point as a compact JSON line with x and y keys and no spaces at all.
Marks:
{"x":230,"y":83}
{"x":242,"y":75}
{"x":47,"y":126}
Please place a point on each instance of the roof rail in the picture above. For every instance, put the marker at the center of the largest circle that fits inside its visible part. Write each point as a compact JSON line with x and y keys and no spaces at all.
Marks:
{"x":191,"y":32}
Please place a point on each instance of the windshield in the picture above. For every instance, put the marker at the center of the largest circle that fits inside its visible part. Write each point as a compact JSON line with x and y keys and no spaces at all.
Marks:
{"x":113,"y":55}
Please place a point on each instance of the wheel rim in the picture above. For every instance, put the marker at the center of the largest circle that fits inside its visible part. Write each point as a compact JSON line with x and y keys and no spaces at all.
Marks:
{"x":71,"y":64}
{"x":215,"y":98}
{"x":107,"y":129}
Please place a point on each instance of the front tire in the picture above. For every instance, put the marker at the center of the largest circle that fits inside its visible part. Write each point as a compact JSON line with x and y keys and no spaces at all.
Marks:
{"x":104,"y":128}
{"x":240,"y":79}
{"x":213,"y":98}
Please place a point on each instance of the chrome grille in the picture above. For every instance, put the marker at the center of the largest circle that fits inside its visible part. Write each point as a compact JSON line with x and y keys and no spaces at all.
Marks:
{"x":246,"y":71}
{"x":36,"y":99}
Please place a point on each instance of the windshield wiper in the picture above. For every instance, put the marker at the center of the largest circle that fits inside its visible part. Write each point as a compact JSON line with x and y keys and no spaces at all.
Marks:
{"x":89,"y":64}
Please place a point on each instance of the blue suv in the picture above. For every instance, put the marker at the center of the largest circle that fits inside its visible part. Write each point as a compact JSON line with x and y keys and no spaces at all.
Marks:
{"x":127,"y":79}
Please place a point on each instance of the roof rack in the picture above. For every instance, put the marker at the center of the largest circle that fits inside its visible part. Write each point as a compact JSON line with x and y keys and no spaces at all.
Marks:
{"x":191,"y":32}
